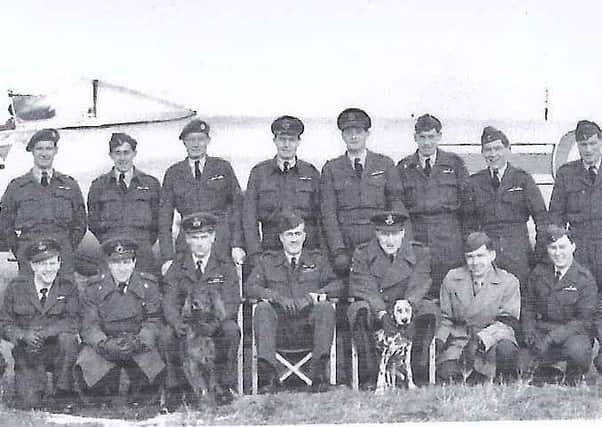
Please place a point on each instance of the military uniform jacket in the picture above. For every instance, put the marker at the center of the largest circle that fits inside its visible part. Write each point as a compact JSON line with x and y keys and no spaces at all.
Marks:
{"x":273,"y":276}
{"x":108,"y":313}
{"x":22,"y":309}
{"x":505,"y":211}
{"x":434,"y":202}
{"x":377,"y":280}
{"x":181,"y":279}
{"x":561,"y":308}
{"x":576,"y":201}
{"x":269,"y":191}
{"x":464,"y":307}
{"x":217,"y":192}
{"x":28,"y":207}
{"x":349,"y":201}
{"x":112,"y":211}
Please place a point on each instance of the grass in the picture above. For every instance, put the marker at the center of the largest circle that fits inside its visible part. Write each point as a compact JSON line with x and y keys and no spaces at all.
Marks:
{"x":486,"y":402}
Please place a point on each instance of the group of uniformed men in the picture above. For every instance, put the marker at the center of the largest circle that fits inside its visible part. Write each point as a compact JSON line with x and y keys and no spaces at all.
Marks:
{"x":456,"y":246}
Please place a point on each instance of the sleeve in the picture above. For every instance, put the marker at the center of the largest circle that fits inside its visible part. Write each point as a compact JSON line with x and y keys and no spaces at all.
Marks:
{"x":235,"y":211}
{"x":231,"y":295}
{"x":172,"y":300}
{"x":249,"y":216}
{"x":530,"y":307}
{"x":80,"y":219}
{"x":91,"y":332}
{"x":8,"y":213}
{"x":364,"y":285}
{"x":584,"y":314}
{"x":509,"y":307}
{"x":329,"y":283}
{"x":393,"y":190}
{"x":94,"y":210}
{"x":8,"y":325}
{"x":420,"y":281}
{"x":152,"y":311}
{"x":558,"y":200}
{"x":539,"y":213}
{"x":256,"y":284}
{"x":155,"y":200}
{"x":328,"y":207}
{"x":166,"y":208}
{"x":470,"y":221}
{"x":447,"y":312}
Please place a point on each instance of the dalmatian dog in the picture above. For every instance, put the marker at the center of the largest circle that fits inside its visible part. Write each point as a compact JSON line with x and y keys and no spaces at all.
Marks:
{"x":394,"y":343}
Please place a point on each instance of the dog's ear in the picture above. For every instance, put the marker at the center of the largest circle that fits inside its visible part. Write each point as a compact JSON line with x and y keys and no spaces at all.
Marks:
{"x":218,"y":306}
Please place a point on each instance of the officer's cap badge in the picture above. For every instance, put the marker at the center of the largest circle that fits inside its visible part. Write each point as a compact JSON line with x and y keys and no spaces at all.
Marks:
{"x":389,"y":220}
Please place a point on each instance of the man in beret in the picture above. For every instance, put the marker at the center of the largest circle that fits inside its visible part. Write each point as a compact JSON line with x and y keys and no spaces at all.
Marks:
{"x":480,"y":309}
{"x":390,"y":267}
{"x":500,"y":200}
{"x":201,"y":183}
{"x":559,"y":311}
{"x":576,"y":198}
{"x":121,"y":321}
{"x":43,"y":203}
{"x":281,"y":183}
{"x":125,"y":201}
{"x":432,"y":187}
{"x":292,"y":284}
{"x":355,"y":186}
{"x":41,"y":317}
{"x":201,"y":266}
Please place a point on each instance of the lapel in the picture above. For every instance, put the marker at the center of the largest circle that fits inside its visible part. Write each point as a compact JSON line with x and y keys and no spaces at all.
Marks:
{"x":568,"y":280}
{"x":209,"y":170}
{"x":397,"y":271}
{"x":442,"y":163}
{"x":483,"y":297}
{"x":188,"y":267}
{"x":508,"y":179}
{"x":483,"y":181}
{"x":136,"y":285}
{"x":184,"y":171}
{"x":415,"y":164}
{"x":53,"y":292}
{"x":583,"y":176}
{"x":32,"y":293}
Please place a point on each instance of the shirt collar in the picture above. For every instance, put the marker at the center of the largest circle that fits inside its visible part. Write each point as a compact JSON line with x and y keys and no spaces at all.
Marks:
{"x":562,"y":270}
{"x":362,"y":157}
{"x":500,"y":172}
{"x":128,"y":174}
{"x":37,"y":173}
{"x":202,"y":162}
{"x":596,"y":165}
{"x":280,"y":163}
{"x":196,"y":259}
{"x":41,"y":286}
{"x":289,"y":257}
{"x":422,"y":159}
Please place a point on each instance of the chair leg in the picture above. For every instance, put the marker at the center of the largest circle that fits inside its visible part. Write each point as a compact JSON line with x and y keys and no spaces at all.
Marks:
{"x":240,"y":354}
{"x":253,"y":353}
{"x":333,"y":352}
{"x":355,"y":381}
{"x":432,"y":361}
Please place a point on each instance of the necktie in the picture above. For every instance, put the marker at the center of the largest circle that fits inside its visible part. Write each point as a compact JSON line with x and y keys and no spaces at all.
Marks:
{"x":43,"y":292}
{"x":286,"y":167}
{"x":427,"y":167}
{"x":44,"y":180}
{"x":122,"y":287}
{"x":122,"y":184}
{"x":495,"y":180}
{"x":592,"y":174}
{"x":197,"y":169}
{"x":293,"y":263}
{"x":199,"y":268}
{"x":357,"y":165}
{"x":391,"y":258}
{"x":557,"y":275}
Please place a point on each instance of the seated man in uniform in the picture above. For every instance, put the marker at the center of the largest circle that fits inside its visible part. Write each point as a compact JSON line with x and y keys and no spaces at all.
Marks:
{"x":41,"y":318}
{"x":120,"y":328}
{"x":480,"y":308}
{"x":383,"y":270}
{"x":293,"y":284}
{"x":559,"y":312}
{"x":200,"y":265}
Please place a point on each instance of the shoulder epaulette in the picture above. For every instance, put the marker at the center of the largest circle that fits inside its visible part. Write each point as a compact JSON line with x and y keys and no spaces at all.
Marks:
{"x":148,"y":276}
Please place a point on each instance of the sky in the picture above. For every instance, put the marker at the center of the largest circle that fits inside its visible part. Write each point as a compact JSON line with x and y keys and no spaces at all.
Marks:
{"x":460,"y":59}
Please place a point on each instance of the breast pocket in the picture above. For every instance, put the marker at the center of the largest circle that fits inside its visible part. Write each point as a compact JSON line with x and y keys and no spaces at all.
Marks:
{"x":28,"y":210}
{"x":409,"y":195}
{"x":267,"y":199}
{"x":111,"y":209}
{"x":63,"y":207}
{"x":59,"y":307}
{"x":303,"y":195}
{"x":141,"y":208}
{"x":576,"y":198}
{"x":347,"y":192}
{"x":375,"y":191}
{"x":24,"y":309}
{"x":448,"y":191}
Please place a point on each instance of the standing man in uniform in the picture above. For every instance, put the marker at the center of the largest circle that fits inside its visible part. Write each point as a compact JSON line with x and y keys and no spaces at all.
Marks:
{"x":355,"y":186}
{"x":433,"y":183}
{"x":390,"y":267}
{"x":125,"y":201}
{"x":480,"y":309}
{"x":576,"y":199}
{"x":43,"y":203}
{"x":282,"y":183}
{"x":41,"y":318}
{"x":292,"y":283}
{"x":122,"y":315}
{"x":201,"y":183}
{"x":500,"y":201}
{"x":201,"y":266}
{"x":558,"y":317}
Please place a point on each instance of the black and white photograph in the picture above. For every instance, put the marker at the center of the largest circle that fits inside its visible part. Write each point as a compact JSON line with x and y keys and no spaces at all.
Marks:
{"x":300,"y":212}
